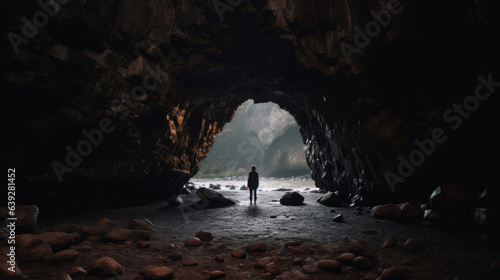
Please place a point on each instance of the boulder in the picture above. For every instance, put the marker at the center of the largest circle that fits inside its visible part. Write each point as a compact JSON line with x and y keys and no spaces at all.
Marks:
{"x":141,"y":224}
{"x":57,"y":240}
{"x":389,"y":211}
{"x":192,"y":242}
{"x":105,"y":267}
{"x":450,"y":198}
{"x":211,"y":199}
{"x":292,"y":199}
{"x":330,"y":199}
{"x":27,"y":218}
{"x":122,"y":235}
{"x":30,"y":248}
{"x":243,"y":188}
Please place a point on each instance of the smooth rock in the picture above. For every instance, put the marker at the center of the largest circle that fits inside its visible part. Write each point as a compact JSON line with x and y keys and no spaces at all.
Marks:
{"x":192,"y":242}
{"x":363,"y":263}
{"x":31,"y":248}
{"x":211,"y":199}
{"x":141,"y":224}
{"x":217,"y":274}
{"x":204,"y":235}
{"x":27,"y":217}
{"x":64,"y":256}
{"x":361,"y":249}
{"x":219,"y":258}
{"x":263,"y":262}
{"x":390,"y":242}
{"x":190,"y":262}
{"x":239,"y":253}
{"x":57,"y":240}
{"x":143,"y":244}
{"x":175,"y":255}
{"x":6,"y":274}
{"x":292,"y":199}
{"x":330,"y":199}
{"x":410,"y":210}
{"x":338,"y":218}
{"x":432,"y":215}
{"x":272,"y":268}
{"x":77,"y":271}
{"x":256,"y":247}
{"x":105,"y":267}
{"x":122,"y":235}
{"x":152,"y":272}
{"x":413,"y":245}
{"x":331,"y":266}
{"x":449,"y":198}
{"x":394,"y":273}
{"x":243,"y":188}
{"x":293,"y":243}
{"x":389,"y":211}
{"x":346,"y":258}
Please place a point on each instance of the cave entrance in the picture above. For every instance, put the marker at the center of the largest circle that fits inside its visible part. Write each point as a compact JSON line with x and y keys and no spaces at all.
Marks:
{"x":260,"y":134}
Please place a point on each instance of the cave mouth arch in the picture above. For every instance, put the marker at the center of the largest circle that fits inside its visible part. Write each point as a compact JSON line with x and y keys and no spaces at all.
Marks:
{"x":261,"y":134}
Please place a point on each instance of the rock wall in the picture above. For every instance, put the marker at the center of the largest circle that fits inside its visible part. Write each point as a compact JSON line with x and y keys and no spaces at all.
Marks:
{"x":163,"y":77}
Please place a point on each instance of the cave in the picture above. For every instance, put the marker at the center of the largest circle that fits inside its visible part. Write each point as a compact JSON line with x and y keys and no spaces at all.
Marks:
{"x":110,"y":107}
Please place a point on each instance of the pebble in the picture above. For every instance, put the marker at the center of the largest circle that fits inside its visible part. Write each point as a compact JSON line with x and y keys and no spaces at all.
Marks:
{"x":64,"y":256}
{"x":219,"y":258}
{"x":413,"y":245}
{"x":190,"y":262}
{"x":151,"y":272}
{"x":76,"y":271}
{"x":204,"y":235}
{"x":359,"y":248}
{"x":363,"y":263}
{"x":192,"y":242}
{"x":346,"y":258}
{"x":338,"y":218}
{"x":394,"y":273}
{"x":390,"y":242}
{"x":332,"y":266}
{"x":239,"y":253}
{"x":217,"y":274}
{"x":105,"y":267}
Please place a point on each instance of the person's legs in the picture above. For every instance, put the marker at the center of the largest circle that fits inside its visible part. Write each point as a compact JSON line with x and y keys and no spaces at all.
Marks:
{"x":255,"y":196}
{"x":251,"y":196}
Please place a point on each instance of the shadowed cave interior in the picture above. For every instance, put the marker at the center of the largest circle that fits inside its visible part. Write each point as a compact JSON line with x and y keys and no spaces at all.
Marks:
{"x":111,"y":107}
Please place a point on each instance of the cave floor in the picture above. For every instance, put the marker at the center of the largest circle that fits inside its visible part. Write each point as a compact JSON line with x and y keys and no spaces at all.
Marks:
{"x":452,"y":252}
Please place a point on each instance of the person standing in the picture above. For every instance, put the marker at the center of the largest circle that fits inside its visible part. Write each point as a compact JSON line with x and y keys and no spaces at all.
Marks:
{"x":253,"y":184}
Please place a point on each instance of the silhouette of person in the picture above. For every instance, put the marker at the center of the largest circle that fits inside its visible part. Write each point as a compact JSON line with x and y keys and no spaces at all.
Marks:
{"x":253,"y":184}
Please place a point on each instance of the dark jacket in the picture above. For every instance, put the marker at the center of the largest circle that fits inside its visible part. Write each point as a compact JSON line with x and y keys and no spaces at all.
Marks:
{"x":253,"y":180}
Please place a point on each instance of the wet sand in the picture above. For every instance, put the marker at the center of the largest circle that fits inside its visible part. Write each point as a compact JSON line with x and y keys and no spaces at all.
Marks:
{"x":464,"y":251}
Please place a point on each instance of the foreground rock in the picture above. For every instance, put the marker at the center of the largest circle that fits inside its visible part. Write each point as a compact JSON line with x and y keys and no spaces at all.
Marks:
{"x":151,"y":272}
{"x":57,"y":240}
{"x":292,"y":199}
{"x":204,"y":235}
{"x":450,"y":198}
{"x":239,"y":253}
{"x":389,"y":211}
{"x":361,"y":249}
{"x":27,"y":218}
{"x":192,"y":242}
{"x":30,"y":248}
{"x":330,"y":199}
{"x":256,"y":247}
{"x":211,"y":199}
{"x":332,"y":266}
{"x":105,"y":267}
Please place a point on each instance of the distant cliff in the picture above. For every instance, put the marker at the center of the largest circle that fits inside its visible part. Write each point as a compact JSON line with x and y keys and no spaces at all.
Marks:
{"x":259,"y":134}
